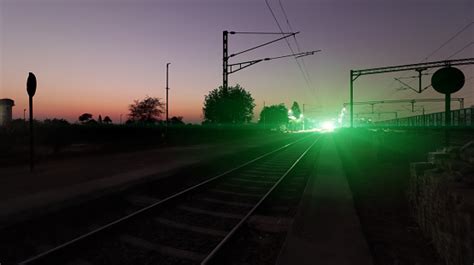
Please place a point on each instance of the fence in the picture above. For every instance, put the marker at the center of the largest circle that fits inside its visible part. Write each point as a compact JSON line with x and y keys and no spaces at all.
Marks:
{"x":459,"y":118}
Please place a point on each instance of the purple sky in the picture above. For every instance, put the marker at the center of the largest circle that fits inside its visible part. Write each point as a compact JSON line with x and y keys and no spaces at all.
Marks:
{"x":98,"y":56}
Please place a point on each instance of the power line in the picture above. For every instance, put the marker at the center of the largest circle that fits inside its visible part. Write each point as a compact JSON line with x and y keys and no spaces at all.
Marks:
{"x":446,"y":42}
{"x":296,"y":42}
{"x":449,"y":40}
{"x":288,"y":43}
{"x":462,"y":49}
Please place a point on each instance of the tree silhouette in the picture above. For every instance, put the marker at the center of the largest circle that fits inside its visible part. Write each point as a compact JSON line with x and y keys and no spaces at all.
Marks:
{"x":233,"y":105}
{"x":56,"y":122}
{"x":274,"y":116}
{"x":107,"y":120}
{"x":177,"y":120}
{"x":147,"y":110}
{"x":85,"y":117}
{"x":295,"y":108}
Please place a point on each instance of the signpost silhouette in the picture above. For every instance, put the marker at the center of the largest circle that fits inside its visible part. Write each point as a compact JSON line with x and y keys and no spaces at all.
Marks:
{"x":31,"y":89}
{"x":447,"y":80}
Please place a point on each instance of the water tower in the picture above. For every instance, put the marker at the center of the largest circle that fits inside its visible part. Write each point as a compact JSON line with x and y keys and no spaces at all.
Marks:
{"x":6,"y":105}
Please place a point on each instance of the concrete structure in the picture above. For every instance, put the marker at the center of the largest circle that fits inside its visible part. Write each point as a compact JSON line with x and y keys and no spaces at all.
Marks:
{"x":6,"y":105}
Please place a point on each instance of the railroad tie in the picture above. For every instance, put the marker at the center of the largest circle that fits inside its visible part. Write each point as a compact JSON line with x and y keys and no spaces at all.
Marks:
{"x":254,"y":181}
{"x":230,"y":203}
{"x":242,"y":186}
{"x":243,"y":194}
{"x":166,"y":250}
{"x":192,"y":228}
{"x":211,"y":213}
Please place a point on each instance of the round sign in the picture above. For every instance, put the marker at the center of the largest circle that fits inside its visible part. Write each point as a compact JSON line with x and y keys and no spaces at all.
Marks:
{"x":31,"y":84}
{"x":448,"y":80}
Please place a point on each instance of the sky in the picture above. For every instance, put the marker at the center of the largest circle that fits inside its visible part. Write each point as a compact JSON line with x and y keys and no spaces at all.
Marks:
{"x":98,"y":56}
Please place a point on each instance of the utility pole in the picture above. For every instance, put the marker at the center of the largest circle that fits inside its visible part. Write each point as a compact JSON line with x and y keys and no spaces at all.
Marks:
{"x":225,"y":59}
{"x":167,"y":88}
{"x":351,"y":96}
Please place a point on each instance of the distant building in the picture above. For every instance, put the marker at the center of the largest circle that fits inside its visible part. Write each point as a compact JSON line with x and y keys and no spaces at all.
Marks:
{"x":6,"y":105}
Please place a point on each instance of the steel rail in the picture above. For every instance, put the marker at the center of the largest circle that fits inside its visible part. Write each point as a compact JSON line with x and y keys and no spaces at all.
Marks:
{"x":147,"y":208}
{"x":213,"y":253}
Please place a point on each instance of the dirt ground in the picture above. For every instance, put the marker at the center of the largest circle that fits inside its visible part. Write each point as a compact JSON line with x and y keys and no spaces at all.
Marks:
{"x":62,"y":182}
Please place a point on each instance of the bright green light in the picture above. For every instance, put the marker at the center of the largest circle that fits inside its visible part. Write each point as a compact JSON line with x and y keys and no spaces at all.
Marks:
{"x":328,"y":126}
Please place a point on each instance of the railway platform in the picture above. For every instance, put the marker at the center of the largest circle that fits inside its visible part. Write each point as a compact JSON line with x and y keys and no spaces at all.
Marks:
{"x":326,"y":229}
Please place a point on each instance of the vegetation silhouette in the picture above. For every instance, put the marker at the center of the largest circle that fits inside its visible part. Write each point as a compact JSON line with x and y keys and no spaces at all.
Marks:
{"x":233,"y":105}
{"x":107,"y":120}
{"x":296,"y":117}
{"x":148,"y":110}
{"x":274,"y":117}
{"x":56,"y":138}
{"x":176,"y":120}
{"x":85,"y":118}
{"x":56,"y":122}
{"x":295,"y":108}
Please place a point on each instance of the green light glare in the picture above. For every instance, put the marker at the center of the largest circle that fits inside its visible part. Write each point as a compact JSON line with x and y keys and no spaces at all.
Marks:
{"x":328,"y":126}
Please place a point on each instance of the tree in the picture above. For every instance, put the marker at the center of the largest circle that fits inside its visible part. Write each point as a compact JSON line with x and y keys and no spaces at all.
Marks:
{"x":107,"y":120}
{"x":232,"y":105}
{"x":296,"y":117}
{"x":147,"y":110}
{"x":177,"y":120}
{"x":56,"y":122}
{"x":100,"y":119}
{"x":274,"y":116}
{"x":295,"y":108}
{"x":85,"y":117}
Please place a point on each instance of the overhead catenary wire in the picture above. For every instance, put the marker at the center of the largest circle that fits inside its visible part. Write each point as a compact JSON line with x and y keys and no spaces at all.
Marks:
{"x":266,"y":43}
{"x":277,"y":57}
{"x":288,"y":43}
{"x":296,"y":42}
{"x":449,"y":40}
{"x":460,"y":50}
{"x":445,"y":43}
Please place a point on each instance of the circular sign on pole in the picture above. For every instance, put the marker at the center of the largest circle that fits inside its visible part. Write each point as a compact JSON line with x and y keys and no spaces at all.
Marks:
{"x":448,"y":80}
{"x":31,"y":84}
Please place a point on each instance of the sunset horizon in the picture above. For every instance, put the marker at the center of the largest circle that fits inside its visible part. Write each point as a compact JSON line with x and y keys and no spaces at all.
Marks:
{"x":98,"y":56}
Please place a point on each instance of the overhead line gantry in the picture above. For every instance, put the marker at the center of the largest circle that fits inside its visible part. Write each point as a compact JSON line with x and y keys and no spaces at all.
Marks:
{"x":232,"y":68}
{"x":419,"y":67}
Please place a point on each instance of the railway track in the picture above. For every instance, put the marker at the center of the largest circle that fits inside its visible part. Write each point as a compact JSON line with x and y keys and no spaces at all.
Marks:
{"x":189,"y":227}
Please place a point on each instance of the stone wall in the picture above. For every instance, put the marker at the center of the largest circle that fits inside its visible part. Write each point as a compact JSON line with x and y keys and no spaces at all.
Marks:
{"x":441,"y":196}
